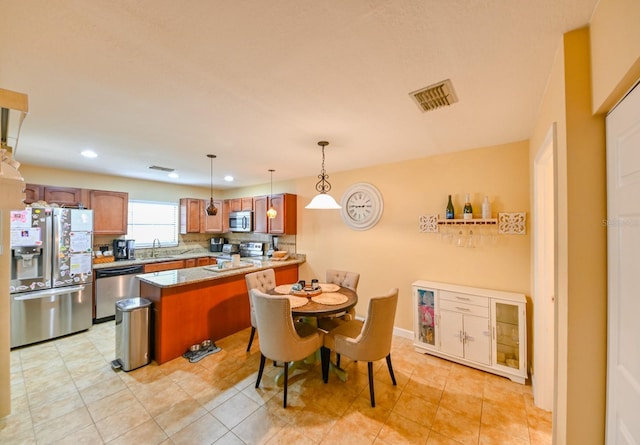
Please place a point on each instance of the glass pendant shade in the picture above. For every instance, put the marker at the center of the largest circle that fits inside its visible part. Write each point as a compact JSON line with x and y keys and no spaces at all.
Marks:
{"x":211,"y":209}
{"x":271,"y":213}
{"x":323,"y":200}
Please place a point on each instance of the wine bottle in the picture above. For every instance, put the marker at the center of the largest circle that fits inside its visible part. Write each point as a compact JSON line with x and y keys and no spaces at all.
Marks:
{"x":468,"y":210}
{"x":450,"y":212}
{"x":486,"y":208}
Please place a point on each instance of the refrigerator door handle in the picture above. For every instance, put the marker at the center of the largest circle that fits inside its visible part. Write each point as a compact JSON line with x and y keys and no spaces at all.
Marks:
{"x":48,"y":293}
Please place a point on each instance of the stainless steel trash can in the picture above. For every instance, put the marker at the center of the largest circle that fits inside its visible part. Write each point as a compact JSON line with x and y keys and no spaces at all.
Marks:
{"x":132,"y":333}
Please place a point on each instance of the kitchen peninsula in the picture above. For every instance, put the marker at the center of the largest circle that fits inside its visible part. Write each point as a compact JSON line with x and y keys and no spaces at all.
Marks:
{"x":198,"y":303}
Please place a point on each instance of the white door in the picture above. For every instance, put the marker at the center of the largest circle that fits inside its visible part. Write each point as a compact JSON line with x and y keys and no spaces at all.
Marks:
{"x":623,"y":236}
{"x":544,"y":274}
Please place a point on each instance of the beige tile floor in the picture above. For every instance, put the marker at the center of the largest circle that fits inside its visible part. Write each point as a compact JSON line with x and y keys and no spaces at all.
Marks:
{"x":64,"y":391}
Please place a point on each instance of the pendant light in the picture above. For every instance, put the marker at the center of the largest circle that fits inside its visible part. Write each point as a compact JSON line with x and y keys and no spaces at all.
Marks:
{"x":212,"y":210}
{"x":271,"y":213}
{"x":323,"y":200}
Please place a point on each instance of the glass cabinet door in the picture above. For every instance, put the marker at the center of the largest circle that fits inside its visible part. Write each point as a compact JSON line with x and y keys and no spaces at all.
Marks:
{"x":508,"y":335}
{"x":426,"y":332}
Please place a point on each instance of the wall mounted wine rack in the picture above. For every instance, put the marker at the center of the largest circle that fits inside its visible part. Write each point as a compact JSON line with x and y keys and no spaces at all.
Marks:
{"x":509,"y":223}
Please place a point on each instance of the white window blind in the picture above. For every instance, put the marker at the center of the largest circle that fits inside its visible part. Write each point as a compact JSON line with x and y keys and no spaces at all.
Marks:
{"x":153,"y":220}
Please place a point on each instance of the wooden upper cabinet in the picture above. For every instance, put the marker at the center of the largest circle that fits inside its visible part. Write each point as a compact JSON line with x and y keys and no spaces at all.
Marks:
{"x":285,"y":221}
{"x":66,"y":196}
{"x":240,"y":204}
{"x":110,"y":212}
{"x":190,"y":209}
{"x":214,"y":223}
{"x":225,"y":216}
{"x":33,"y":193}
{"x":260,"y":224}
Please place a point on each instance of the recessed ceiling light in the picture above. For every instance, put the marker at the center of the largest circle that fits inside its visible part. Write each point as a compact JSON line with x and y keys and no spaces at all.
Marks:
{"x":228,"y":178}
{"x":173,"y":175}
{"x":89,"y":154}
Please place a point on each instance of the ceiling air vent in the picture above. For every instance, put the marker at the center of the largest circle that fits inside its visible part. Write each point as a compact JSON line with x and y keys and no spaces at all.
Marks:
{"x":434,"y":96}
{"x":162,"y":169}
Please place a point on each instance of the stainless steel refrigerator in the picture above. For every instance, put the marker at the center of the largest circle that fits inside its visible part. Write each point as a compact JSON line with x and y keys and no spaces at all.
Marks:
{"x":51,"y":273}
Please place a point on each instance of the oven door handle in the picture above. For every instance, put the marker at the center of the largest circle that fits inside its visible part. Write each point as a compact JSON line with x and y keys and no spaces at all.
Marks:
{"x":48,"y":293}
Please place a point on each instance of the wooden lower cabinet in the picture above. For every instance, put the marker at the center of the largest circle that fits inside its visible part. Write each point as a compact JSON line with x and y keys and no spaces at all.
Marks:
{"x":166,"y":265}
{"x":186,"y":315}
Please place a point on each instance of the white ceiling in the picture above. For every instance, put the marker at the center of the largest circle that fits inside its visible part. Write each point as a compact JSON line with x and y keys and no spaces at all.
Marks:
{"x":259,"y":83}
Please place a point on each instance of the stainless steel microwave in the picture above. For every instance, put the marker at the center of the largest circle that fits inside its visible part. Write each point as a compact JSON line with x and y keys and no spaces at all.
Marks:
{"x":241,"y":221}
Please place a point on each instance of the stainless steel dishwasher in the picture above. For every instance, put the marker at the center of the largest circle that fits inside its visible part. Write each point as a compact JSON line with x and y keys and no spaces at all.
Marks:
{"x":113,"y":284}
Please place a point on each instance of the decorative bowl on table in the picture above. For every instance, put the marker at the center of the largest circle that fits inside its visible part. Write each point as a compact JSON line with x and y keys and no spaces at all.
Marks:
{"x":306,"y":291}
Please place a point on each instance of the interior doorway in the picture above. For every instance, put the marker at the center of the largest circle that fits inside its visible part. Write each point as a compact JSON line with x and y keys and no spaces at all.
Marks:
{"x":544,"y":311}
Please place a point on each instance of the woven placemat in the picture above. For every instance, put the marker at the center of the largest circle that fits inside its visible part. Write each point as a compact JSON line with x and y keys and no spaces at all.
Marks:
{"x":297,"y":301}
{"x":283,"y":289}
{"x":330,"y":298}
{"x":329,"y":287}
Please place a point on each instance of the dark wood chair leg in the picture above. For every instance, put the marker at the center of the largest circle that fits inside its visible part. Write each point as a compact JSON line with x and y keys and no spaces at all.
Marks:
{"x":393,"y":377}
{"x":262,"y":360}
{"x":253,"y":332}
{"x":337,"y":360}
{"x":324,"y":359}
{"x":373,"y":397}
{"x":286,"y":382}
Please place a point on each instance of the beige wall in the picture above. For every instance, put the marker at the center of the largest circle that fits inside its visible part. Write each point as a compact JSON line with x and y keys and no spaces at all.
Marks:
{"x":615,"y":37}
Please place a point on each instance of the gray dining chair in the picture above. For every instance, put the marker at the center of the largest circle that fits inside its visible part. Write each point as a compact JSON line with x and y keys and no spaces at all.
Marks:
{"x":282,"y":339}
{"x":367,"y":340}
{"x":262,"y":280}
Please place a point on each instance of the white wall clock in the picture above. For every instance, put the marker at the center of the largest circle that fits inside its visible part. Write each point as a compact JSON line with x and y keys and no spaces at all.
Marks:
{"x":362,"y":206}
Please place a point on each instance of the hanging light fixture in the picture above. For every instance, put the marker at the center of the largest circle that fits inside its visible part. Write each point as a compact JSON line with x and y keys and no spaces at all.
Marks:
{"x":271,"y":213}
{"x":211,"y":208}
{"x":323,"y":200}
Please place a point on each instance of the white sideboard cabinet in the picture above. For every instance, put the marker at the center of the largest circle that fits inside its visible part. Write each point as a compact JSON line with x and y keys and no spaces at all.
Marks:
{"x":482,"y":328}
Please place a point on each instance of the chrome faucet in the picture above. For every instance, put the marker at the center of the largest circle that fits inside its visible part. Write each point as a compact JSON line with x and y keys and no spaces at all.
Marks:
{"x":153,"y":247}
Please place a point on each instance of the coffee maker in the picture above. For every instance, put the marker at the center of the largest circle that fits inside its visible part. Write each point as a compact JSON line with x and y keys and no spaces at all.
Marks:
{"x":216,"y":244}
{"x":120,"y":249}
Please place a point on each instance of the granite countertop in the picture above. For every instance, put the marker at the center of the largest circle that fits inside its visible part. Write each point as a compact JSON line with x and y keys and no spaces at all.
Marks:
{"x":190,"y":275}
{"x":159,"y":259}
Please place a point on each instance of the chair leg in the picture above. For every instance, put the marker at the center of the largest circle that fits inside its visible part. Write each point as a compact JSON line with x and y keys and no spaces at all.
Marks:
{"x":286,"y":382}
{"x":373,"y":397}
{"x":324,"y":359}
{"x":253,"y":332}
{"x":337,"y":360}
{"x":393,"y":377}
{"x":262,"y":360}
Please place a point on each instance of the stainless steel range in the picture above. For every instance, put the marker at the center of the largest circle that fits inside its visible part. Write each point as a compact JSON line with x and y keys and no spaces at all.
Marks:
{"x":247,"y":249}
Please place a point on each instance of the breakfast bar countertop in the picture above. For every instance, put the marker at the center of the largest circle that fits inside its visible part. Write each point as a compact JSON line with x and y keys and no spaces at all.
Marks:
{"x":181,"y":277}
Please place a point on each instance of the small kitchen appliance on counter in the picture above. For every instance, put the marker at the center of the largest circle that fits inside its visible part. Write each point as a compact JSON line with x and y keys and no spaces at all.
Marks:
{"x":216,"y":244}
{"x":131,"y":249}
{"x":124,"y":249}
{"x":251,"y":249}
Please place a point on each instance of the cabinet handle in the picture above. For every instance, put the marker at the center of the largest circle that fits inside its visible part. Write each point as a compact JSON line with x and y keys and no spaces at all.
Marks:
{"x":466,"y":309}
{"x":460,"y":336}
{"x":463,"y":298}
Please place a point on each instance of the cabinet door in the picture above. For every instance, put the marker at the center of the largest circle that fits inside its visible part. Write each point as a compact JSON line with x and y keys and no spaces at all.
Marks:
{"x":285,"y":221}
{"x":509,"y":335}
{"x":63,"y":196}
{"x":260,"y":224}
{"x":477,"y":339}
{"x":189,"y":215}
{"x":225,"y":216}
{"x":167,"y":265}
{"x":33,"y":193}
{"x":425,"y":320}
{"x":191,"y":262}
{"x":210,"y":223}
{"x":235,"y":205}
{"x":246,"y":203}
{"x":204,"y":261}
{"x":451,"y":333}
{"x":110,"y":212}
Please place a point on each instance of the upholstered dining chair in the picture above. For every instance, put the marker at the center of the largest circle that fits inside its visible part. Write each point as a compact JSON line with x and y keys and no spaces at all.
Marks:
{"x":282,"y":339}
{"x":365,"y":341}
{"x":345,"y":279}
{"x":262,"y":280}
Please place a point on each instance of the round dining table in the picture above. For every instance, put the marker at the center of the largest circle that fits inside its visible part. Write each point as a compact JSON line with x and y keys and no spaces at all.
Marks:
{"x":311,"y":311}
